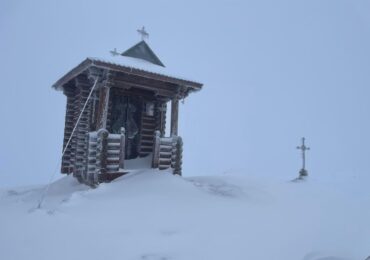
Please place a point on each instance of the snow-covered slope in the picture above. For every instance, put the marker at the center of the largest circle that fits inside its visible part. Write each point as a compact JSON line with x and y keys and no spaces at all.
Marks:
{"x":152,"y":215}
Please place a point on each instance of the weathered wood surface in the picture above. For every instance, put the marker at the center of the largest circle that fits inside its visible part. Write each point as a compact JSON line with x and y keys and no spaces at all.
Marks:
{"x":83,"y":87}
{"x":156,"y":147}
{"x":67,"y":166}
{"x":103,"y":107}
{"x":157,"y":91}
{"x":174,"y":116}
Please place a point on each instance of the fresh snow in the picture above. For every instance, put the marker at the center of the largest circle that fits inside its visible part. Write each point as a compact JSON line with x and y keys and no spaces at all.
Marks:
{"x":140,"y":64}
{"x":153,"y":215}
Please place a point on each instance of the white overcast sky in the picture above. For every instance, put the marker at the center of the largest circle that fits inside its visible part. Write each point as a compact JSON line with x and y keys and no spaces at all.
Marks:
{"x":273,"y":71}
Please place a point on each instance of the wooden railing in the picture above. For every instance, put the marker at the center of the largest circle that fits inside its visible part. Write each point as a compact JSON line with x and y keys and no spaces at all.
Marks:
{"x":105,"y":156}
{"x":167,"y":153}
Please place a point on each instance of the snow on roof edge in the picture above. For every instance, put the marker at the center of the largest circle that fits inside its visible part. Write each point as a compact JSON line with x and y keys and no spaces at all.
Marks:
{"x":135,"y":64}
{"x":144,"y":66}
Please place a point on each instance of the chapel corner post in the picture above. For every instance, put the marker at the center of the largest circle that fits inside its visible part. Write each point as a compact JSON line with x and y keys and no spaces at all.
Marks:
{"x":104,"y":94}
{"x":174,"y":116}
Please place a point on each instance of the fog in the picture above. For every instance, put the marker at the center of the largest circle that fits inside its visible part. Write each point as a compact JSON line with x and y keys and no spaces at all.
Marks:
{"x":273,"y":71}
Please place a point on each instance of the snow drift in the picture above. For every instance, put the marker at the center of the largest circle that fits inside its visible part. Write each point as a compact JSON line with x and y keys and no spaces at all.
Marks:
{"x":153,"y":215}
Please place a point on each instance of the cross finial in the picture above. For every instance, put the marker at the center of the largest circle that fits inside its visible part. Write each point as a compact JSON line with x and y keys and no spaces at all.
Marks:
{"x":114,"y":52}
{"x":144,"y":34}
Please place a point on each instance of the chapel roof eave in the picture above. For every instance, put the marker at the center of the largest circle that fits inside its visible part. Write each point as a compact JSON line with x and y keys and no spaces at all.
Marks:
{"x":97,"y":63}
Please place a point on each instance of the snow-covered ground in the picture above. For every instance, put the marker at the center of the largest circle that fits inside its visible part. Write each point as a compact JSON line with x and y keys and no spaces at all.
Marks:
{"x":152,"y":215}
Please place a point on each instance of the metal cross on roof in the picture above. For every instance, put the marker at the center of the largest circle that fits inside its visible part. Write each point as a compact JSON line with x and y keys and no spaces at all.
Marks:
{"x":303,"y":148}
{"x":144,"y":34}
{"x":114,"y":52}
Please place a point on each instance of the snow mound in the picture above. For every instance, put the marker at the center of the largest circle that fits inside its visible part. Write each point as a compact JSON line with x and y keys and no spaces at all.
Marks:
{"x":153,"y":215}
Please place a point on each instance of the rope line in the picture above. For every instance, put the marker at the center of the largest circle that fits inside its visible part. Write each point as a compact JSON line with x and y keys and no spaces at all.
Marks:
{"x":44,"y":194}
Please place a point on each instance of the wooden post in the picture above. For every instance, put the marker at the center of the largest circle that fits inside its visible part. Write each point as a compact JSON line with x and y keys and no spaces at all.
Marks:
{"x":177,"y":169}
{"x":103,"y":107}
{"x":103,"y":139}
{"x":122,"y":149}
{"x":162,"y":112}
{"x":157,"y":140}
{"x":174,"y":116}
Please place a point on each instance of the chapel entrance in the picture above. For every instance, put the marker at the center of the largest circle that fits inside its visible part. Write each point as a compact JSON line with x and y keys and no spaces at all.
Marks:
{"x":126,"y":113}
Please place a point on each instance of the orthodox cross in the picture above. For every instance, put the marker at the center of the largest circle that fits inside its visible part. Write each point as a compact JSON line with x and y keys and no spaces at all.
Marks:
{"x":144,"y":34}
{"x":303,"y":148}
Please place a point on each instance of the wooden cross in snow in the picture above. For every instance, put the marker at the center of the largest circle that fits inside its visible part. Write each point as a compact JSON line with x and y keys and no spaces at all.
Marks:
{"x":144,"y":34}
{"x":303,"y":148}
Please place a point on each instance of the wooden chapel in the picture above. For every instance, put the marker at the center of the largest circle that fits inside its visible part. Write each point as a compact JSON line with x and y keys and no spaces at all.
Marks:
{"x":116,"y":113}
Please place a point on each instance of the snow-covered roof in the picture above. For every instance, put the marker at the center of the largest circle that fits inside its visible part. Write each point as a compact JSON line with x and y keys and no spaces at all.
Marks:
{"x":130,"y":65}
{"x":140,"y":64}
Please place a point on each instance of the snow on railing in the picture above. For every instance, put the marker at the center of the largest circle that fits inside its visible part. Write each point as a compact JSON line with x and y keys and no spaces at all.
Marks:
{"x":167,"y":153}
{"x":105,"y":154}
